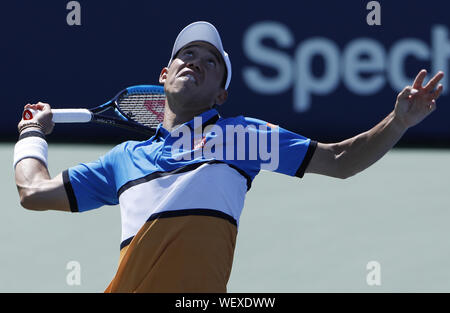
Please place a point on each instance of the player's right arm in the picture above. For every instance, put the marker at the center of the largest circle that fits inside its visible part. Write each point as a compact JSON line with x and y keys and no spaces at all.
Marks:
{"x":37,"y":190}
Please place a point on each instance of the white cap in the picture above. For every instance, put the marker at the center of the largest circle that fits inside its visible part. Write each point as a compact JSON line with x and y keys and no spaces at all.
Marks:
{"x":202,"y":31}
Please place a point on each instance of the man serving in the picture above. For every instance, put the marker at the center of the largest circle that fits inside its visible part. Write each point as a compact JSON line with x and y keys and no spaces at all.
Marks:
{"x":180,"y":216}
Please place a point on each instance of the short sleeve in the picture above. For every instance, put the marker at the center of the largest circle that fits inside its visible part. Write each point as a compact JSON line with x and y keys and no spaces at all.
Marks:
{"x":91,"y":185}
{"x":288,"y":153}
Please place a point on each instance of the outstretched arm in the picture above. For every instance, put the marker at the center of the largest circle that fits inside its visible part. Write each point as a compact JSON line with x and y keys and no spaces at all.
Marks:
{"x":36,"y":189}
{"x":349,"y":157}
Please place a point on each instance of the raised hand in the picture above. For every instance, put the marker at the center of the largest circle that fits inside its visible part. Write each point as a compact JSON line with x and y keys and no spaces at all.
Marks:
{"x":416,"y":102}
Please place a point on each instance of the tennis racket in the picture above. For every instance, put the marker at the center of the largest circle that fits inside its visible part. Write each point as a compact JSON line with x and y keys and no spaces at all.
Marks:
{"x":137,"y":108}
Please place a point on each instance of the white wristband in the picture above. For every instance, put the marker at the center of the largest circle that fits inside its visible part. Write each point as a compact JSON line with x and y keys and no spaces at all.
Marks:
{"x":31,"y":147}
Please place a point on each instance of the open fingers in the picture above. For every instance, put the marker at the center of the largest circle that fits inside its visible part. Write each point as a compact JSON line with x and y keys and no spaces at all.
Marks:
{"x":433,"y":82}
{"x":419,"y":79}
{"x":435,"y":94}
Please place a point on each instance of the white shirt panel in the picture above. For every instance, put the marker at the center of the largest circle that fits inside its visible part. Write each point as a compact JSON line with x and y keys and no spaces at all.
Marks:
{"x":210,"y":186}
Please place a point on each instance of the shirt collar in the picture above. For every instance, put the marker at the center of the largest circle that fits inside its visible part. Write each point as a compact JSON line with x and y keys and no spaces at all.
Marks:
{"x":160,"y":132}
{"x":208,"y":117}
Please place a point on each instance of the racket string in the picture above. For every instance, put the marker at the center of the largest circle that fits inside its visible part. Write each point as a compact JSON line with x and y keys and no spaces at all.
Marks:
{"x":143,"y":108}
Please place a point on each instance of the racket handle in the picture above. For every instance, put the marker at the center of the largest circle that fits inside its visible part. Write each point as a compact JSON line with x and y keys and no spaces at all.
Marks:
{"x":71,"y":115}
{"x":63,"y":115}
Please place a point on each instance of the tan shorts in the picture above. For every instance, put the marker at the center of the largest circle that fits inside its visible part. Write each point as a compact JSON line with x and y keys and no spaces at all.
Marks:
{"x":177,"y":254}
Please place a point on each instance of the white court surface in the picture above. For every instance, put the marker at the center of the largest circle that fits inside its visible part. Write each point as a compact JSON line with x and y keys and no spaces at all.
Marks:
{"x":315,"y":234}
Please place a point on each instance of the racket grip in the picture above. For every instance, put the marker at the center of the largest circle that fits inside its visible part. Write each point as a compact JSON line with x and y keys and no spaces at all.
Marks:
{"x":71,"y":115}
{"x":63,"y":115}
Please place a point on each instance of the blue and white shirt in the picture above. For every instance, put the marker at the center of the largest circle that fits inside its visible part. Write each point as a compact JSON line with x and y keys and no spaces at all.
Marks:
{"x":148,"y":178}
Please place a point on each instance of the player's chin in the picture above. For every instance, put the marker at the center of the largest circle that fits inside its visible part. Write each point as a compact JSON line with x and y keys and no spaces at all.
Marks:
{"x":185,"y":87}
{"x":188,"y":83}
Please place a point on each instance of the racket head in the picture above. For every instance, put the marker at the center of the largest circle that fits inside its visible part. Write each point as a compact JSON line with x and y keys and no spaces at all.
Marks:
{"x":142,"y":104}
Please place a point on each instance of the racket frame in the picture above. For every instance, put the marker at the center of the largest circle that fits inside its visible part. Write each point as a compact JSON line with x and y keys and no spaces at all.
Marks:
{"x":123,"y":121}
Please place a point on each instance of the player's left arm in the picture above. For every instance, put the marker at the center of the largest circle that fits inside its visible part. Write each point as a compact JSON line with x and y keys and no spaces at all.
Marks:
{"x":349,"y":157}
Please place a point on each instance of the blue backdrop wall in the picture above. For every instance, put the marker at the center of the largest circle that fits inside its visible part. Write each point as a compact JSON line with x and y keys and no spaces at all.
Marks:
{"x":314,"y":67}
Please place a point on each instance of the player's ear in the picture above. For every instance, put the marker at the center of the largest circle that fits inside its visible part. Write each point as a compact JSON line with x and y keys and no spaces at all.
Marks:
{"x":221,"y":97}
{"x":163,"y":75}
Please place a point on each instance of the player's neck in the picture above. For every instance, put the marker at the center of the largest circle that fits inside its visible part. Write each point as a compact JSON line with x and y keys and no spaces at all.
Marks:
{"x":175,"y":116}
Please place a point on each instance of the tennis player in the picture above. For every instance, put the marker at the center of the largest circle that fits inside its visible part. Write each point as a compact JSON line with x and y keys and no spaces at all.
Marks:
{"x":180,"y":216}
